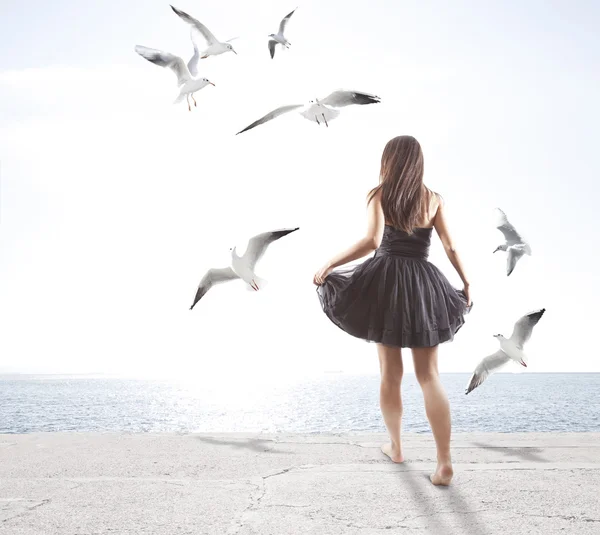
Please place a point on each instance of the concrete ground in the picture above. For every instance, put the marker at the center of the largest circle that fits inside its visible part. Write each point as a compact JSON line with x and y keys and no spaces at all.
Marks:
{"x":117,"y":484}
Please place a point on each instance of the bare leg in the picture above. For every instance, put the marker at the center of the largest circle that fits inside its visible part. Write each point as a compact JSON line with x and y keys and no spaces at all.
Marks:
{"x":437,"y":409}
{"x":187,"y":98}
{"x":390,"y":400}
{"x":193,"y":99}
{"x":317,"y":119}
{"x":325,"y":120}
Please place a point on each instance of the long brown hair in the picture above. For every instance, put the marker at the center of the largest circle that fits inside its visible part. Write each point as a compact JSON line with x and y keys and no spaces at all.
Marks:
{"x":404,"y":198}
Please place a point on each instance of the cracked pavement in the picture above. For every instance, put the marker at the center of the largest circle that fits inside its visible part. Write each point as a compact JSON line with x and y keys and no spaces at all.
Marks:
{"x":243,"y":484}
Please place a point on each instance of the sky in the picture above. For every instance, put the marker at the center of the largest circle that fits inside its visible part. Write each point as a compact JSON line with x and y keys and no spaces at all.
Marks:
{"x":114,"y":201}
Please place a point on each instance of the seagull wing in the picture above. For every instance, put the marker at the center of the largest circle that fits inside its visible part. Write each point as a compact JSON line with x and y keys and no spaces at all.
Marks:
{"x":213,"y":276}
{"x":259,"y":243}
{"x":166,"y":59}
{"x":284,"y":22}
{"x":210,"y":38}
{"x":511,"y":259}
{"x":272,"y":47}
{"x":193,"y":63}
{"x":272,"y":115}
{"x":341,"y":97}
{"x":486,"y":367}
{"x":524,"y":327}
{"x":510,"y":234}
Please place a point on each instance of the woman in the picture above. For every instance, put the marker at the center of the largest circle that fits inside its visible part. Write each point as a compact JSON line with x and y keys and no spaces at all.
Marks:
{"x":399,"y":299}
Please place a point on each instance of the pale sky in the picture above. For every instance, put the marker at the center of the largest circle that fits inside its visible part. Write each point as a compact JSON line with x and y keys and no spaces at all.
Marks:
{"x":114,"y":202}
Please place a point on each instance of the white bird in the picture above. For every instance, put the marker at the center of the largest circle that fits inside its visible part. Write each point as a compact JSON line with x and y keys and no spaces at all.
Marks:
{"x":215,"y":47}
{"x":242,"y":267}
{"x":515,"y":245}
{"x":321,"y":109}
{"x":510,"y":349}
{"x":279,"y":38}
{"x":188,"y":85}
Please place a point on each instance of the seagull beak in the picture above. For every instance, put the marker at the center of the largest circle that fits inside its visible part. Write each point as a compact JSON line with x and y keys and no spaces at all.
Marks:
{"x":234,"y":51}
{"x":211,"y":83}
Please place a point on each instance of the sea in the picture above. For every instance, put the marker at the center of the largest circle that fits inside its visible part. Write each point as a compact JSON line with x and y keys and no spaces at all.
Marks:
{"x":323,"y":403}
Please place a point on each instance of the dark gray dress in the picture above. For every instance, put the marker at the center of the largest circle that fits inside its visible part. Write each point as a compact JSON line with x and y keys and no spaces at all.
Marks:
{"x":396,"y":297}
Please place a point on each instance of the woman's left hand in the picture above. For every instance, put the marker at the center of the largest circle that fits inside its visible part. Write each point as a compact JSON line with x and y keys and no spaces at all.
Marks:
{"x":321,"y":275}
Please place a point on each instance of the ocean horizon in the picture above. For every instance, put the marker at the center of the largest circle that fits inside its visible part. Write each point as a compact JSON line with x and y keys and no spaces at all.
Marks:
{"x":321,"y":402}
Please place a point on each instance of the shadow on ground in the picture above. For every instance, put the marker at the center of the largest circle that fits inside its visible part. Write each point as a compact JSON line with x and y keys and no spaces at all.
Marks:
{"x":255,"y":444}
{"x":447,"y":501}
{"x":528,"y":454}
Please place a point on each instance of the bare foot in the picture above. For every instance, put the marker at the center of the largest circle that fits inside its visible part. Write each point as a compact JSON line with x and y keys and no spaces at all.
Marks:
{"x":443,"y":475}
{"x":395,"y":454}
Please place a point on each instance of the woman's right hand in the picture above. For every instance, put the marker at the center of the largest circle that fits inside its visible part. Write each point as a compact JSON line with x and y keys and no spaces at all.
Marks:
{"x":467,"y":292}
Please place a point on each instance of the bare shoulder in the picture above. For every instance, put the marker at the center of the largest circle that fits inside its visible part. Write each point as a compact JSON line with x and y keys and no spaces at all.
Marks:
{"x":436,"y":203}
{"x":374,"y":195}
{"x":374,"y":200}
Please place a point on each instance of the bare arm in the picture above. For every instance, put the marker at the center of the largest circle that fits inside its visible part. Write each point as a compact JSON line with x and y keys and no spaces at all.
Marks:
{"x":441,"y":228}
{"x":371,"y":240}
{"x":367,"y":244}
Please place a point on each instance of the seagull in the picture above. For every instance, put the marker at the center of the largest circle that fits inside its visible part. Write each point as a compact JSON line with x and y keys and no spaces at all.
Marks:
{"x":193,"y":63}
{"x":278,"y":38}
{"x":510,"y":349}
{"x":321,"y":109}
{"x":215,"y":47}
{"x":242,"y":267}
{"x":515,"y":244}
{"x":188,"y":85}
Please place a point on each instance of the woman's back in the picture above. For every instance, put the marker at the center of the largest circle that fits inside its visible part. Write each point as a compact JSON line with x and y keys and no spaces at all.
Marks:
{"x":431,"y":203}
{"x":397,"y":242}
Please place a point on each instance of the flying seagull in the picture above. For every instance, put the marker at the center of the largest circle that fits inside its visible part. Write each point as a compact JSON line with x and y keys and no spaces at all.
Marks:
{"x":215,"y":47}
{"x":515,"y":245}
{"x":279,"y":38}
{"x":510,"y":349}
{"x":321,"y":110}
{"x":242,"y":267}
{"x":188,"y":85}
